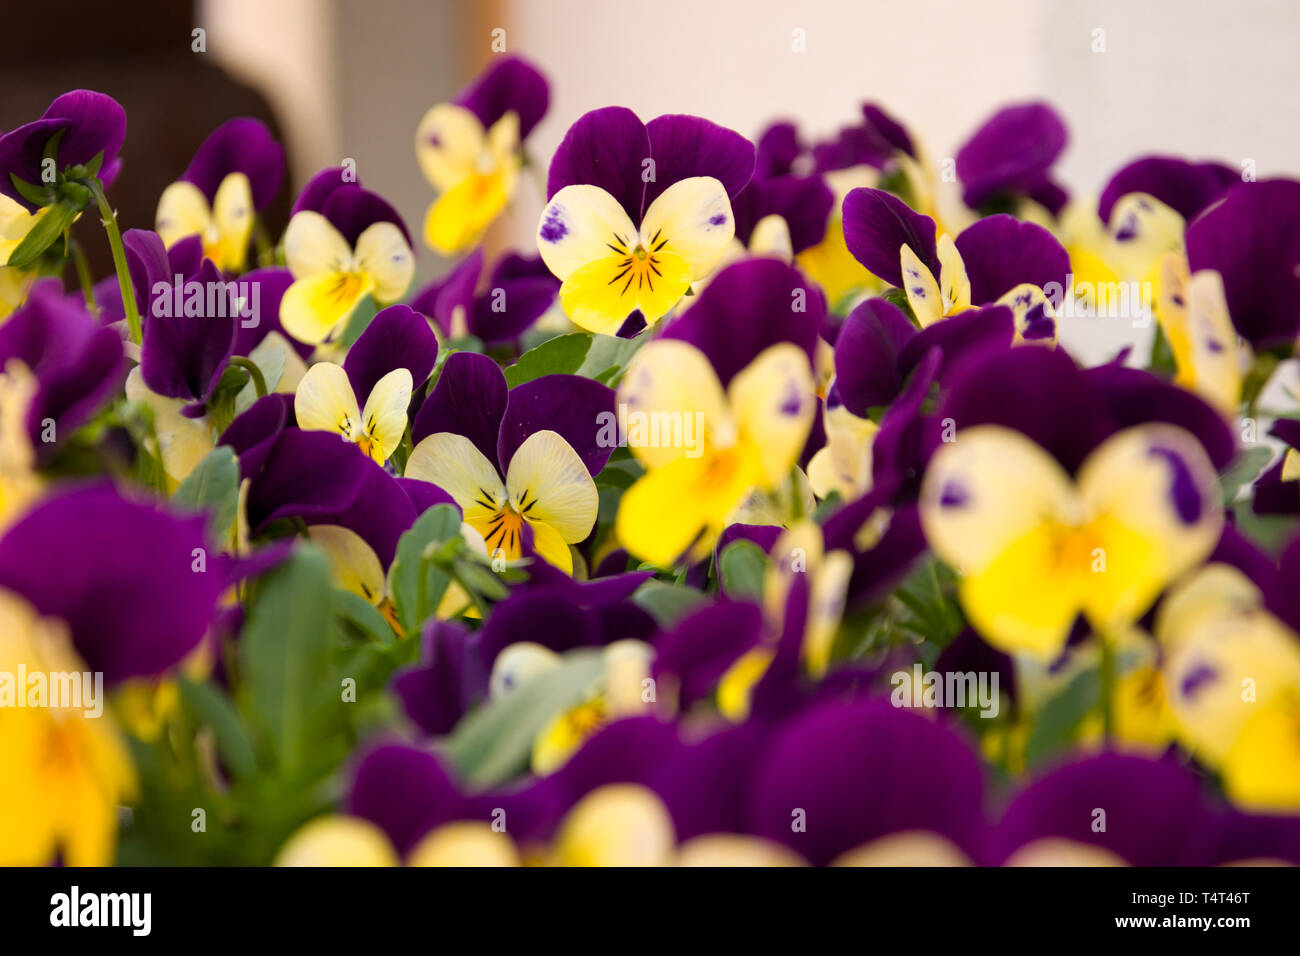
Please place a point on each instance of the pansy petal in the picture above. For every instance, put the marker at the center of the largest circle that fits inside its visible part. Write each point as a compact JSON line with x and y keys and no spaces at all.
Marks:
{"x":671,"y":382}
{"x":182,"y":211}
{"x":1159,"y":501}
{"x":1001,"y":252}
{"x":448,"y":143}
{"x":382,"y":254}
{"x":452,"y":463}
{"x":398,"y":337}
{"x":747,"y":307}
{"x":353,"y":563}
{"x":774,"y":401}
{"x":232,"y":212}
{"x":692,"y":218}
{"x":384,"y":415}
{"x":241,"y":145}
{"x":1185,"y":187}
{"x":607,"y":148}
{"x":325,"y":401}
{"x":953,"y":280}
{"x":458,"y":218}
{"x":688,"y":146}
{"x":469,"y":399}
{"x":573,"y":406}
{"x":990,"y":504}
{"x":313,"y":246}
{"x":580,"y":225}
{"x":1010,"y":152}
{"x":510,"y":85}
{"x":921,"y":287}
{"x":601,"y":295}
{"x":313,"y":308}
{"x":548,"y":482}
{"x":877,"y":224}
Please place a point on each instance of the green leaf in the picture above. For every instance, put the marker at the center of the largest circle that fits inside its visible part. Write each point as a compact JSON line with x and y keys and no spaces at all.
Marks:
{"x":284,"y":654}
{"x":608,"y":357}
{"x":213,"y":486}
{"x":1059,"y":720}
{"x":44,"y":234}
{"x":667,"y":603}
{"x":562,"y":355}
{"x":365,"y":310}
{"x":1243,"y":472}
{"x":363,"y":615}
{"x":36,"y":195}
{"x":210,"y":706}
{"x":493,"y":744}
{"x":743,"y":564}
{"x":417,"y":582}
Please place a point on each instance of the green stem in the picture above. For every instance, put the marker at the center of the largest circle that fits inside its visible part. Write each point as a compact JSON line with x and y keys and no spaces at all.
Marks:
{"x":83,"y":275}
{"x":109,"y":218}
{"x":1107,"y":674}
{"x":254,"y":373}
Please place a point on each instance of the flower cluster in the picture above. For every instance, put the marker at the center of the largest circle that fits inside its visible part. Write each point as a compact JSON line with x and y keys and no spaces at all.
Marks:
{"x":756,"y":513}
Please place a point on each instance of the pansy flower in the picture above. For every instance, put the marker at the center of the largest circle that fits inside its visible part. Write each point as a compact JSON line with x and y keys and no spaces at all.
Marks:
{"x":232,"y":177}
{"x":390,"y":359}
{"x":519,"y":462}
{"x":471,"y":150}
{"x":1041,"y":524}
{"x":997,"y":260}
{"x":1193,"y":312}
{"x":88,"y":127}
{"x":342,"y":244}
{"x":736,"y":369}
{"x":515,"y":294}
{"x":1009,"y":159}
{"x":638,"y":211}
{"x":77,"y":364}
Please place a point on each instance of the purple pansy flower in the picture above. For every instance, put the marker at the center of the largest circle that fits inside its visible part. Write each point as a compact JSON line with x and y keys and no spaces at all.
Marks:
{"x":517,"y":292}
{"x":1011,"y":156}
{"x":89,"y":124}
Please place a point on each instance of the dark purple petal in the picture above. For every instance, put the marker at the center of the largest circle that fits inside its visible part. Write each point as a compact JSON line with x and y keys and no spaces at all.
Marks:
{"x":266,"y":288}
{"x":424,"y":494}
{"x":1252,"y":239}
{"x":305,"y":474}
{"x":887,"y":128}
{"x":449,"y":679}
{"x":706,"y":784}
{"x":863,"y":770}
{"x":606,"y":148}
{"x":509,"y":306}
{"x":76,"y":361}
{"x":352,"y":210}
{"x":574,"y":407}
{"x":321,"y":186}
{"x":124,"y":576}
{"x":851,"y":146}
{"x":1185,"y":187}
{"x":1010,"y":152}
{"x":397,"y":337}
{"x":866,"y":355}
{"x":960,"y":336}
{"x":878,"y":224}
{"x":1134,"y":396}
{"x":1283,"y":597}
{"x":1154,"y":812}
{"x":1245,"y":836}
{"x":253,"y":433}
{"x":747,"y":307}
{"x":184,"y":355}
{"x":468,"y":399}
{"x":240,"y":145}
{"x":148,"y":263}
{"x":547,"y":618}
{"x":907,"y":437}
{"x":1036,"y":391}
{"x":405,"y":792}
{"x":380,"y":512}
{"x":1000,"y":252}
{"x":777,"y":148}
{"x":804,"y":202}
{"x":440,"y":299}
{"x":685,"y":146}
{"x":509,"y":84}
{"x":21,"y":151}
{"x":692,"y":657}
{"x":96,"y":124}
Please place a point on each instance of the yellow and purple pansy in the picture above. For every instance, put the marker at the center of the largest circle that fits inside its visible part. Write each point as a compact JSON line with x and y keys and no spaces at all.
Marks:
{"x":343,"y":243}
{"x":637,"y":212}
{"x":364,"y":401}
{"x":998,"y":260}
{"x":519,"y":462}
{"x":471,"y":151}
{"x":234,"y":175}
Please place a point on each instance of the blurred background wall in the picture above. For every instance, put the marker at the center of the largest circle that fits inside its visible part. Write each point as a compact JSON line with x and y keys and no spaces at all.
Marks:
{"x":351,"y":78}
